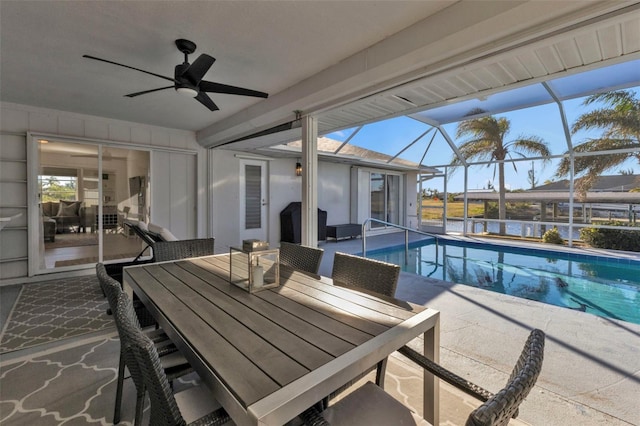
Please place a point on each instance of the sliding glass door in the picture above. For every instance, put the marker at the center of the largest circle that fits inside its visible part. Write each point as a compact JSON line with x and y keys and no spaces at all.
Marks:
{"x":86,"y":192}
{"x":385,"y":199}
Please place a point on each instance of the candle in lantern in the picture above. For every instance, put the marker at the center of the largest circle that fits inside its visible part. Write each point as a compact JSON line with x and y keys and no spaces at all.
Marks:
{"x":258,"y":276}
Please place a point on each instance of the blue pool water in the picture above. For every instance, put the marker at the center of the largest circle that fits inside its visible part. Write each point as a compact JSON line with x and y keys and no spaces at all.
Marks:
{"x":603,"y":286}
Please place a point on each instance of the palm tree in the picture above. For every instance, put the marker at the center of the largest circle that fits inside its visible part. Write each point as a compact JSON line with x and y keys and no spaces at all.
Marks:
{"x":486,"y":142}
{"x":620,"y":121}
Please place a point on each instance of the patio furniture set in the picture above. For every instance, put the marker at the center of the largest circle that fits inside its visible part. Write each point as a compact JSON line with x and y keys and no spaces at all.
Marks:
{"x":322,"y":336}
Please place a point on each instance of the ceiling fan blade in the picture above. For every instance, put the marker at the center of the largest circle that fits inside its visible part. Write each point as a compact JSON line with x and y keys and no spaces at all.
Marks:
{"x":205,"y":100}
{"x":198,"y":68}
{"x":133,"y":95}
{"x":209,"y":86}
{"x":131,"y":68}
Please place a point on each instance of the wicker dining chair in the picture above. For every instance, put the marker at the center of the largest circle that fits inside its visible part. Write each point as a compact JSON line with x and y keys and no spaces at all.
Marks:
{"x":167,"y":409}
{"x":368,"y":274}
{"x":370,"y":404}
{"x":301,"y":258}
{"x":175,"y":364}
{"x":182,"y":249}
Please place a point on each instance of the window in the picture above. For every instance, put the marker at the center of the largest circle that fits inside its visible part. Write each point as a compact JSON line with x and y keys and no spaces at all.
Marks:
{"x":61,"y":184}
{"x":253,"y":194}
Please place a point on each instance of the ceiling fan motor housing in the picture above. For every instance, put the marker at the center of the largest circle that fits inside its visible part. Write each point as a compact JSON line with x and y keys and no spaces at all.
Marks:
{"x":183,"y":82}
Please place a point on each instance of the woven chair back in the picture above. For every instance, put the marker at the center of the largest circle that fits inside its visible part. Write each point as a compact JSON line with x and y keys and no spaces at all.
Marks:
{"x":146,"y":369}
{"x":110,"y":287}
{"x":182,"y":249}
{"x":127,"y":325}
{"x":504,"y":404}
{"x":369,"y":274}
{"x":301,"y":258}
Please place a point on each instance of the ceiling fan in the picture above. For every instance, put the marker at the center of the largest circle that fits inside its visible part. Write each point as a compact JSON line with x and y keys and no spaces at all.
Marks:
{"x":188,"y":78}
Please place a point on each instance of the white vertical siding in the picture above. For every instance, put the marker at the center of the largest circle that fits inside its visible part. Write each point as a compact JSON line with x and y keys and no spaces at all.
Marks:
{"x":174,"y":203}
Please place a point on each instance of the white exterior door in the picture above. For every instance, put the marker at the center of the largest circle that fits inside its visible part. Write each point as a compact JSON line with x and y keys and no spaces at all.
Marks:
{"x":253,"y":200}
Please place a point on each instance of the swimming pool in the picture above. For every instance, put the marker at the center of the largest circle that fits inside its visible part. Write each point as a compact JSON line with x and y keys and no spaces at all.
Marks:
{"x":607,"y":287}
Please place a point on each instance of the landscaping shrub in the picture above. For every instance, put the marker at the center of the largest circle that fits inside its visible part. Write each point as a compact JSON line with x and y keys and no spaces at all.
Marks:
{"x":616,"y":239}
{"x":552,"y":236}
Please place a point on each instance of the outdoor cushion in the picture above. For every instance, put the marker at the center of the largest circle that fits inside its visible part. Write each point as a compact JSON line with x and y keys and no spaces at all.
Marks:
{"x":69,"y":208}
{"x":164,"y":233}
{"x":49,"y":208}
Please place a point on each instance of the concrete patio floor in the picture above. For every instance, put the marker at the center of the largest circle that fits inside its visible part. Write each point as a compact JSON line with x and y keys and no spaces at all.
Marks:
{"x":591,"y":372}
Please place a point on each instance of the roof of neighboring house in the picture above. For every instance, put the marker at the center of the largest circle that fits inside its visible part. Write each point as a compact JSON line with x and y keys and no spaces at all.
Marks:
{"x":614,"y":183}
{"x":356,"y":155}
{"x":556,"y":196}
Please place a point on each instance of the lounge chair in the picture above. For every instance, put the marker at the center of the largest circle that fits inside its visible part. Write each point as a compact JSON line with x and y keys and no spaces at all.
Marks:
{"x":141,"y":230}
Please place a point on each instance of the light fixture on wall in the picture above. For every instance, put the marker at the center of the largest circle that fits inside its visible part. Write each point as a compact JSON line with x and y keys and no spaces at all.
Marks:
{"x":298,"y":169}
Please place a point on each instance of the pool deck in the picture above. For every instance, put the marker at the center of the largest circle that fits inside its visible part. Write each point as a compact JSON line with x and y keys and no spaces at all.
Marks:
{"x":591,"y":371}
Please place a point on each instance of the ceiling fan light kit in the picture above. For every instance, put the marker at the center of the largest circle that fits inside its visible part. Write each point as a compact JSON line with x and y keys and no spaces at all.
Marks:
{"x":187,"y":91}
{"x":188,"y":80}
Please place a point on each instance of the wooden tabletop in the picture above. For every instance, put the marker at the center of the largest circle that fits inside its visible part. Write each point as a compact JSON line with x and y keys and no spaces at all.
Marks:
{"x":268,"y":356}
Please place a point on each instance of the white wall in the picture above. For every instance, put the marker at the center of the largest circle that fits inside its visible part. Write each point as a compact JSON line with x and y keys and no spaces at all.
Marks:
{"x":225,"y":206}
{"x":20,"y":119}
{"x":334,"y":192}
{"x":284,"y":187}
{"x":173,"y":186}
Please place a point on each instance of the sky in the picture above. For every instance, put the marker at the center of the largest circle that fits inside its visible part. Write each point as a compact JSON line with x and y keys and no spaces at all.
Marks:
{"x":544,"y":121}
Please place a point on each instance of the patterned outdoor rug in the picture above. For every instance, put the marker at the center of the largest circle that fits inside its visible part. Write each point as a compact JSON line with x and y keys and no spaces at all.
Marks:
{"x":54,"y":310}
{"x":77,"y":385}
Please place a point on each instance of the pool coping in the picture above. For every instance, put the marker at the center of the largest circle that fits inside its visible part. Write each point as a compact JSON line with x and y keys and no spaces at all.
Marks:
{"x":597,"y":256}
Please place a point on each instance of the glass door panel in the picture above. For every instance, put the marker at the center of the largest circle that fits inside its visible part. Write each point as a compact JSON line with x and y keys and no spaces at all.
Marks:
{"x":66,"y":239}
{"x":86,"y":193}
{"x":393,"y":199}
{"x":377,"y":199}
{"x":385,"y":199}
{"x":124,"y":182}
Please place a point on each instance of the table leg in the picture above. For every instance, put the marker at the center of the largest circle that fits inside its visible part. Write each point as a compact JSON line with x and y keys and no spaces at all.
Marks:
{"x":431,"y":391}
{"x":126,"y":287}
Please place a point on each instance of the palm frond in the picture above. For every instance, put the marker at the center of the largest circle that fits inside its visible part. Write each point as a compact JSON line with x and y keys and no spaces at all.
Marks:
{"x":620,"y":125}
{"x":619,"y":97}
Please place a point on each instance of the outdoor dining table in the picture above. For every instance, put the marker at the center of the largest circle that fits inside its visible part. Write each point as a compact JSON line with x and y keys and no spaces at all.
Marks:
{"x":268,"y":356}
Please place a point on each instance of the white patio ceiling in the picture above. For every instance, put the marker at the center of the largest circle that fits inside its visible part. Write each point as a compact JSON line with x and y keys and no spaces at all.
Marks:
{"x":603,"y":42}
{"x":602,"y":56}
{"x":560,"y":57}
{"x":349,"y":63}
